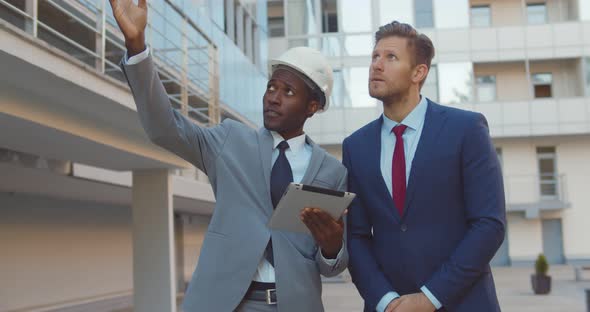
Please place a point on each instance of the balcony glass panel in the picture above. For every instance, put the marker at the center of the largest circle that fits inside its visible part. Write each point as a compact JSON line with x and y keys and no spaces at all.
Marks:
{"x":455,"y":81}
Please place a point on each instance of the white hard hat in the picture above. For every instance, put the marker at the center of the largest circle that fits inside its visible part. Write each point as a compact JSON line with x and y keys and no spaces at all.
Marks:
{"x":311,"y":63}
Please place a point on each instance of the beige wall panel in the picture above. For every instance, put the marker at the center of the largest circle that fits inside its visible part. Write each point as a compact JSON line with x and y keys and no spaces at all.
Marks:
{"x":55,"y":251}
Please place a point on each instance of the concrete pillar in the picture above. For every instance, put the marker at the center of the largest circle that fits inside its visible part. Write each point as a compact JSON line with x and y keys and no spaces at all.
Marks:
{"x":154,"y":277}
{"x":297,"y":18}
{"x":179,"y":221}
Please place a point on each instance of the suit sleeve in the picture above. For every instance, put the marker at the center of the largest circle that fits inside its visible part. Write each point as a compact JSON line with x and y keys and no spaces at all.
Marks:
{"x":329,"y":267}
{"x":366,"y":274}
{"x":167,"y":127}
{"x":483,"y":194}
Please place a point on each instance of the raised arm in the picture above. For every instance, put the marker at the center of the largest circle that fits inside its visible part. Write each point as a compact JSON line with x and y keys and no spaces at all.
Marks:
{"x":164,"y":126}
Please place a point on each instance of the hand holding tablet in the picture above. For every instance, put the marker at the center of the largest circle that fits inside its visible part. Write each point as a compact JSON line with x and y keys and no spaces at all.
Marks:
{"x":287,"y":215}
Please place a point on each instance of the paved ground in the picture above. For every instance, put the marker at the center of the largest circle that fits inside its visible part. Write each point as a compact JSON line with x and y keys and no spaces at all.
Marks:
{"x":514,"y":292}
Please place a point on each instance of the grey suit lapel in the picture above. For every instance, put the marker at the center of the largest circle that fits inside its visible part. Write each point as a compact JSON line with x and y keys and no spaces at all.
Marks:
{"x":317,"y":157}
{"x":265,"y":142}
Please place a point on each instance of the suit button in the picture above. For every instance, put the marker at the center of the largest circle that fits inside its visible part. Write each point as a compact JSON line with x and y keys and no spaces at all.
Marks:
{"x":404,"y":227}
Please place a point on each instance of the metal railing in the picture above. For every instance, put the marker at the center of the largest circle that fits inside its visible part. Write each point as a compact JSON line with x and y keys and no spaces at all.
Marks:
{"x":186,"y":58}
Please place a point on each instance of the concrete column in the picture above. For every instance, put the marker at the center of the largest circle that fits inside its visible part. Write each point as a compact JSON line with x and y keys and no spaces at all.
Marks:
{"x":154,"y":277}
{"x":179,"y":221}
{"x":296,"y":17}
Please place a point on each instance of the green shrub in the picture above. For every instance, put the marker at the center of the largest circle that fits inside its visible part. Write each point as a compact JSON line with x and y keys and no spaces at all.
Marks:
{"x":541,"y":265}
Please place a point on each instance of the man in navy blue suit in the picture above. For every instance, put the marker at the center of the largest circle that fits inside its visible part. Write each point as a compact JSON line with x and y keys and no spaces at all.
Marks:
{"x":429,"y":215}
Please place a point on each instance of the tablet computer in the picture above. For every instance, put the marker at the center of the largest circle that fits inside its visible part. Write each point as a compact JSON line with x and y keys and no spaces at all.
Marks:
{"x":286,"y":216}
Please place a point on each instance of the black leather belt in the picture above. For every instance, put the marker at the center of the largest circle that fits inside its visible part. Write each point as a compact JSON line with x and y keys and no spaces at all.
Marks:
{"x":262,"y":292}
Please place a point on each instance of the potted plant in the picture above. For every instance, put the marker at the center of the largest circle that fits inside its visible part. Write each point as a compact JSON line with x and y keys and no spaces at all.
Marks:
{"x":540,"y":280}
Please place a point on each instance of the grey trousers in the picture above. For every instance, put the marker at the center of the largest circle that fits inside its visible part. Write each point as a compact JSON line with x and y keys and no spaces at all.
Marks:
{"x":255,"y":306}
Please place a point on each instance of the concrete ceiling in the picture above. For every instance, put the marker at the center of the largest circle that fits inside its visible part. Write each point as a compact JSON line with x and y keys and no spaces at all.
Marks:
{"x":43,"y":182}
{"x":53,"y":106}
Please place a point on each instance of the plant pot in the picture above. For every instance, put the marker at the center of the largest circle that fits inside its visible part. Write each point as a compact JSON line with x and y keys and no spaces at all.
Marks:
{"x":541,"y":284}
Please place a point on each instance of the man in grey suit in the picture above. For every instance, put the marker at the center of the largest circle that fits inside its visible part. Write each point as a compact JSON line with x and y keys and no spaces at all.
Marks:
{"x":245,"y":266}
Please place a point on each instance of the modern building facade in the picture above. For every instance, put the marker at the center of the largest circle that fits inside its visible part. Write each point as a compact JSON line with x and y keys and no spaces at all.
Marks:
{"x":93,"y":217}
{"x":524,"y":64}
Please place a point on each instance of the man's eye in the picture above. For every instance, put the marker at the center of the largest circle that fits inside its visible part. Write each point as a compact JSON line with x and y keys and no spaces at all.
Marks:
{"x":289,"y":93}
{"x":271,"y":88}
{"x":391,"y":56}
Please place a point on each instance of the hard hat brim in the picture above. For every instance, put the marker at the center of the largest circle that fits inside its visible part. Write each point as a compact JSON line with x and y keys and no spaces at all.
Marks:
{"x":273,"y":63}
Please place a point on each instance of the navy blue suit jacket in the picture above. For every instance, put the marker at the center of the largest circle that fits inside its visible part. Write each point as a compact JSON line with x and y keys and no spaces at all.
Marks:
{"x":453,"y":221}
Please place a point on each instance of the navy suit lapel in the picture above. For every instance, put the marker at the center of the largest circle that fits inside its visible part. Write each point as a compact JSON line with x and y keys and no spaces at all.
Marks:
{"x":433,"y":123}
{"x":374,"y":167}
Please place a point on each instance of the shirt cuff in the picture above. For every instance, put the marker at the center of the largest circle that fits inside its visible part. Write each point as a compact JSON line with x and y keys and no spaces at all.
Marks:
{"x":332,"y":262}
{"x":431,"y":297}
{"x":385,"y":300}
{"x":137,"y":58}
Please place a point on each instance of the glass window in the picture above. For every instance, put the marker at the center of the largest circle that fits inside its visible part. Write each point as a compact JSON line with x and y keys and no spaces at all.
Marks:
{"x":331,"y":45}
{"x":357,"y":83}
{"x":542,"y":85}
{"x":239,"y":26}
{"x":398,"y":10}
{"x":329,"y":16}
{"x":423,"y":15}
{"x":276,"y":18}
{"x":451,"y":13}
{"x":536,"y":13}
{"x":216,"y":9}
{"x":355,"y":17}
{"x":338,"y":90}
{"x":486,"y":88}
{"x":430,"y":87}
{"x":547,"y":171}
{"x":358,"y":45}
{"x":455,"y":82}
{"x":229,"y":8}
{"x":481,"y":16}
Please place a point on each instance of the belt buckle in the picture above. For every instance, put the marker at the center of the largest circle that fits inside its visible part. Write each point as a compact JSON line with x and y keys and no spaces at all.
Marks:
{"x":269,"y":292}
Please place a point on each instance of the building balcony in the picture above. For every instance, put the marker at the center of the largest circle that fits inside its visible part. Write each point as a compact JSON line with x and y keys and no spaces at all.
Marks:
{"x":509,"y":43}
{"x":569,"y":39}
{"x":65,"y":85}
{"x":533,"y":194}
{"x":538,"y":117}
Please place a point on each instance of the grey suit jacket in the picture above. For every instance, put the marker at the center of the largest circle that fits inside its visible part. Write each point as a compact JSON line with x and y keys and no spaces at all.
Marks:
{"x":237,"y":160}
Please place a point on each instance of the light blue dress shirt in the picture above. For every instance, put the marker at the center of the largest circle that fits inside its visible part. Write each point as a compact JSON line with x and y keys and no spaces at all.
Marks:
{"x":415,"y":123}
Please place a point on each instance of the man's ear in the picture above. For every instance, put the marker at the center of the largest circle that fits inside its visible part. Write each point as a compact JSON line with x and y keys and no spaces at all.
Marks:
{"x":420,"y":73}
{"x":312,"y":107}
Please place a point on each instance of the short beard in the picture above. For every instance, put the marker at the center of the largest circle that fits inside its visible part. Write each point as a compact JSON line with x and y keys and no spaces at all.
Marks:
{"x":387,"y":99}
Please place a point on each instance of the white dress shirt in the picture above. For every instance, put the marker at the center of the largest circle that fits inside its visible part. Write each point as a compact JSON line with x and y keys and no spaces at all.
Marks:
{"x":298,"y":154}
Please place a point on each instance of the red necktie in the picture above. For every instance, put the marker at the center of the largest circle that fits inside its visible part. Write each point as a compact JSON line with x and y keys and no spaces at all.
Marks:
{"x":398,"y":169}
